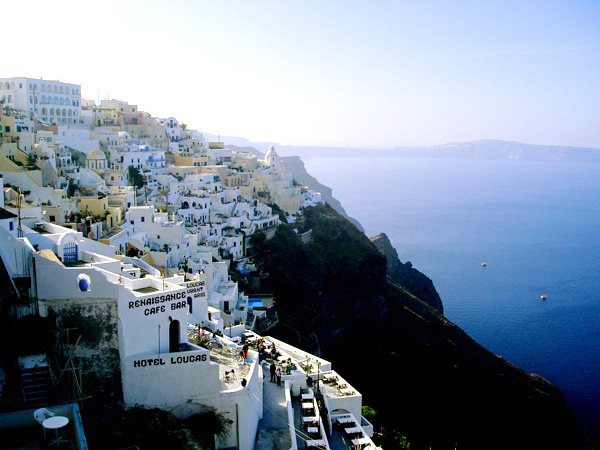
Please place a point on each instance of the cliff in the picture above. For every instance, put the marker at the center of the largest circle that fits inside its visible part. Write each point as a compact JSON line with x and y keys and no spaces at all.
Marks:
{"x":405,"y":275}
{"x":298,"y":170}
{"x":425,"y":376}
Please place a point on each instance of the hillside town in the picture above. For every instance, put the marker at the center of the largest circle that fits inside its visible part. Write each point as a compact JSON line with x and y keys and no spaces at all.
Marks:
{"x":125,"y":233}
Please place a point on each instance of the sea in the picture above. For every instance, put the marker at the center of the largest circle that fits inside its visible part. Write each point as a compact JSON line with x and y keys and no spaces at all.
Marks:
{"x":535,"y":226}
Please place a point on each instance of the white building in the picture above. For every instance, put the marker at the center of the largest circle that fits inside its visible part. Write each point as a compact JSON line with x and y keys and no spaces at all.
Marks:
{"x":96,"y":161}
{"x":77,"y":138}
{"x":172,"y":129}
{"x":148,"y":319}
{"x":53,"y":102}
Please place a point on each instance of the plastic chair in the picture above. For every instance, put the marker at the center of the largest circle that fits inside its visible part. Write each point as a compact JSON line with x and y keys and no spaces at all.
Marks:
{"x":42,"y":414}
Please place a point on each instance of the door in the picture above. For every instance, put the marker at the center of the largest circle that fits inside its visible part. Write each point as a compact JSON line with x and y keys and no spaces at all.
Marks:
{"x":174,"y":336}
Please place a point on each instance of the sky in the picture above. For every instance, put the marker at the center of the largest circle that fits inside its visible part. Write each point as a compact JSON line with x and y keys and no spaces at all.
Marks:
{"x":364,"y":74}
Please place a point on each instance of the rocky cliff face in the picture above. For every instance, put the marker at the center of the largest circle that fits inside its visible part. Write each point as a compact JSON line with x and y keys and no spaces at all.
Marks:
{"x":407,"y":276}
{"x":296,"y":166}
{"x":424,"y":375}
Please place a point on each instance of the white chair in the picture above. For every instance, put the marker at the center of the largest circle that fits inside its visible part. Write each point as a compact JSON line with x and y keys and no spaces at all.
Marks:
{"x":41,"y":415}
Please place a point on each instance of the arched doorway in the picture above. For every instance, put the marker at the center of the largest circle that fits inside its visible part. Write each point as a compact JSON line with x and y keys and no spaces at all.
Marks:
{"x":174,"y":336}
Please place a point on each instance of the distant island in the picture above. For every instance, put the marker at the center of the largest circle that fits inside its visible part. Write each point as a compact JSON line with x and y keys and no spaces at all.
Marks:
{"x":482,"y":150}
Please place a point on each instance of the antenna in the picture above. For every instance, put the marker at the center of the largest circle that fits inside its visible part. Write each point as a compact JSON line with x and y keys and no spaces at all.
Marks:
{"x":19,"y":201}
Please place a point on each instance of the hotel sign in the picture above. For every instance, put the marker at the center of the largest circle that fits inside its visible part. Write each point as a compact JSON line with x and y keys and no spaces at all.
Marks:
{"x":170,"y":360}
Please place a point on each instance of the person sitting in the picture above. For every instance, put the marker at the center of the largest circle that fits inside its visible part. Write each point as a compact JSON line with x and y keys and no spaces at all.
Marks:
{"x":274,"y":352}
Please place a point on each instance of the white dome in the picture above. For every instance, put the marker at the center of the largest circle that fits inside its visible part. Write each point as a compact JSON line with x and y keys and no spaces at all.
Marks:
{"x":95,"y":154}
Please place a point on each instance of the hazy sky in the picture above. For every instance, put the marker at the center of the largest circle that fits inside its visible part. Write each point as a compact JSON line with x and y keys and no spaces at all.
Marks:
{"x":339,"y":73}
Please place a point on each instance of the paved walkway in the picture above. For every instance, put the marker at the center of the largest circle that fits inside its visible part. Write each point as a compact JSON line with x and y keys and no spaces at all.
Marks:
{"x":273,"y":431}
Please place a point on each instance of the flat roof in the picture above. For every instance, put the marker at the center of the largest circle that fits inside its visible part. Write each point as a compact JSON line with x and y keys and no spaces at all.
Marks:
{"x":146,"y":290}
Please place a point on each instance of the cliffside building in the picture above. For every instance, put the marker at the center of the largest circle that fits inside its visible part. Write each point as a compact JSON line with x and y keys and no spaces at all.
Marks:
{"x":53,"y":102}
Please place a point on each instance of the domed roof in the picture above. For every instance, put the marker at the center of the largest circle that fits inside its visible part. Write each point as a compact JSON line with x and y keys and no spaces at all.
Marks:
{"x":95,"y":154}
{"x":272,"y":151}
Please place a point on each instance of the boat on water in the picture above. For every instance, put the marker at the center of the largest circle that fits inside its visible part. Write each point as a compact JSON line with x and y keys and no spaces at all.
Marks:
{"x":483,"y":264}
{"x":543,"y":297}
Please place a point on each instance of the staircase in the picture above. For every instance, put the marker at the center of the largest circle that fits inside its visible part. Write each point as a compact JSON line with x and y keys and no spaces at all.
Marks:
{"x":37,"y":386}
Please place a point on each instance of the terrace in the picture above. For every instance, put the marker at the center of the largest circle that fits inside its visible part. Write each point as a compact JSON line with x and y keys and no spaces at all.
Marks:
{"x":348,"y":431}
{"x":232,"y":368}
{"x":20,"y":430}
{"x":311,"y":428}
{"x":325,"y":415}
{"x":335,"y":386}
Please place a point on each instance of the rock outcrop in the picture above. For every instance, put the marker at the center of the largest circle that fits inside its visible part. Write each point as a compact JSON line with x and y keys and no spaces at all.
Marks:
{"x":406,"y":275}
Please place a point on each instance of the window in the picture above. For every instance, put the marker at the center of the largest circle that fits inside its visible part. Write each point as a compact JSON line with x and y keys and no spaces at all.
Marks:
{"x":11,"y":225}
{"x":143,"y":219}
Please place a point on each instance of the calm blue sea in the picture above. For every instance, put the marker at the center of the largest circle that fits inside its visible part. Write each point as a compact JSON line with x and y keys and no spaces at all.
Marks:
{"x":537,"y":227}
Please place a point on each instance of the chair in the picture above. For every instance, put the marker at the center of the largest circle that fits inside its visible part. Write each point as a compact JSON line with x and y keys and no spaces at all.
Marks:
{"x":42,"y":414}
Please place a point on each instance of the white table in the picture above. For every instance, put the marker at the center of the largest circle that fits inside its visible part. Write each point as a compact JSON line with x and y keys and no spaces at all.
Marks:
{"x":54,"y":423}
{"x":360,"y":442}
{"x":352,"y":430}
{"x":310,"y":419}
{"x":345,"y":420}
{"x":308,"y":396}
{"x":308,"y":405}
{"x":315,"y":443}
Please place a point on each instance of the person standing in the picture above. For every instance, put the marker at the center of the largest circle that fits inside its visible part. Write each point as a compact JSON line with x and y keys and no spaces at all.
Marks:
{"x":272,"y":368}
{"x":278,"y":373}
